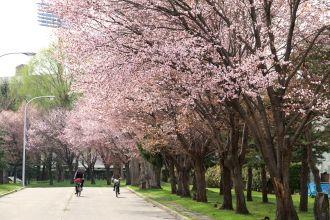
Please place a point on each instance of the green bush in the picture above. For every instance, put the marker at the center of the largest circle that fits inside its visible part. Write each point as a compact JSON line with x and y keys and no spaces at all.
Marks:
{"x":213,"y":176}
{"x":295,"y":177}
{"x":256,"y":178}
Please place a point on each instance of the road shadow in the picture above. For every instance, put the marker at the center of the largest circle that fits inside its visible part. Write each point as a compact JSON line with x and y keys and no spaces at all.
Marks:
{"x":121,"y":197}
{"x":81,"y":196}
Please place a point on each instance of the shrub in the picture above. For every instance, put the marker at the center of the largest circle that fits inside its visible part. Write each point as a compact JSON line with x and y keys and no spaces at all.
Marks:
{"x":295,"y":177}
{"x":213,"y":176}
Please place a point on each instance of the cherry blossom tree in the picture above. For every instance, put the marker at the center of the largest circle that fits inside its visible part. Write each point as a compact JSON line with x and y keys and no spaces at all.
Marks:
{"x":11,"y":126}
{"x":46,"y":137}
{"x":95,"y":132}
{"x":248,"y":54}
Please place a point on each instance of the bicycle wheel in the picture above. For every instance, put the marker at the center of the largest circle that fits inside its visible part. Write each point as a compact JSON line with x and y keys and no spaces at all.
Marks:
{"x":78,"y":189}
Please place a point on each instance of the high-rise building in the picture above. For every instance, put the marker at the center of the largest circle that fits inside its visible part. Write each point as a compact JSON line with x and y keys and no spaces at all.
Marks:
{"x":46,"y":17}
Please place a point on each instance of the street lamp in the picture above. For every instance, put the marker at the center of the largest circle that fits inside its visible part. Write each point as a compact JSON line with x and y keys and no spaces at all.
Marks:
{"x":24,"y":53}
{"x":24,"y":133}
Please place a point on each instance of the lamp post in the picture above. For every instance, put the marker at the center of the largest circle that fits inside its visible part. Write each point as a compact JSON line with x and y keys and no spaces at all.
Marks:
{"x":24,"y":133}
{"x":24,"y":53}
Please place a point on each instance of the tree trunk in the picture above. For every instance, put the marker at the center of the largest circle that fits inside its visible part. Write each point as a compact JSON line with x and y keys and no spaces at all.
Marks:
{"x":58,"y":176}
{"x":38,"y":163}
{"x":3,"y":176}
{"x":128,"y":174}
{"x":320,"y":199}
{"x":200,"y":181}
{"x":143,"y":185}
{"x":316,"y":175}
{"x":50,"y":166}
{"x":2,"y":181}
{"x":227,"y":202}
{"x":284,"y":204}
{"x":15,"y":174}
{"x":135,"y":171}
{"x":116,"y":171}
{"x":88,"y":171}
{"x":234,"y":162}
{"x":321,"y":207}
{"x":92,"y":175}
{"x":276,"y":154}
{"x":303,"y":205}
{"x":221,"y":182}
{"x":157,"y":171}
{"x":43,"y":171}
{"x":249,"y":185}
{"x":76,"y":165}
{"x":71,"y":173}
{"x":165,"y":175}
{"x":60,"y":172}
{"x":50,"y":174}
{"x":172,"y":178}
{"x":38,"y":173}
{"x":180,"y":190}
{"x":183,"y":182}
{"x":194,"y":186}
{"x":239,"y":190}
{"x":142,"y":176}
{"x":108,"y":174}
{"x":264,"y":184}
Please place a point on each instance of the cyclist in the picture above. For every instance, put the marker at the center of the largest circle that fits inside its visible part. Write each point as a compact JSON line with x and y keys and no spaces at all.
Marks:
{"x":79,"y":178}
{"x":116,"y":183}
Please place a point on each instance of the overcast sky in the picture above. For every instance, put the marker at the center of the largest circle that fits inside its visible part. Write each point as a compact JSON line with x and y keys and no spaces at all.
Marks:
{"x":20,"y":32}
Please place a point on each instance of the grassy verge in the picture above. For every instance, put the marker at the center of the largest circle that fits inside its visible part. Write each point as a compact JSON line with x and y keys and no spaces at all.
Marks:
{"x":257,"y":209}
{"x":66,"y":183}
{"x":5,"y":188}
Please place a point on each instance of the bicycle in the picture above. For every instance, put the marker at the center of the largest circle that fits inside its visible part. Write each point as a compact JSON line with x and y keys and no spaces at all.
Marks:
{"x":78,"y":189}
{"x":117,"y":189}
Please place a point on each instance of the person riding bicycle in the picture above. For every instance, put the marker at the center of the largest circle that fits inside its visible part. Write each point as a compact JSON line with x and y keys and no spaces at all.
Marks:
{"x":79,"y":178}
{"x":116,"y":183}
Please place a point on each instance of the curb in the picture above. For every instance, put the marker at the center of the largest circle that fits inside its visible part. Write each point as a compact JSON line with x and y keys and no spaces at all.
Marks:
{"x":176,"y":214}
{"x":10,"y":192}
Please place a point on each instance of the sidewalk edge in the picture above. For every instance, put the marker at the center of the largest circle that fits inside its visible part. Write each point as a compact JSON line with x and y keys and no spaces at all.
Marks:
{"x":10,"y":192}
{"x":176,"y":214}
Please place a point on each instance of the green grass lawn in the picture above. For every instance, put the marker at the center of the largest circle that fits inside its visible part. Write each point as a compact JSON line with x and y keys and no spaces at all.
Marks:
{"x":66,"y":183}
{"x":4,"y":188}
{"x":257,"y":209}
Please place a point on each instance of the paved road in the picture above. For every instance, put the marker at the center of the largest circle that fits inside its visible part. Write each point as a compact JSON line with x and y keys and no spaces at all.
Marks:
{"x":62,"y":204}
